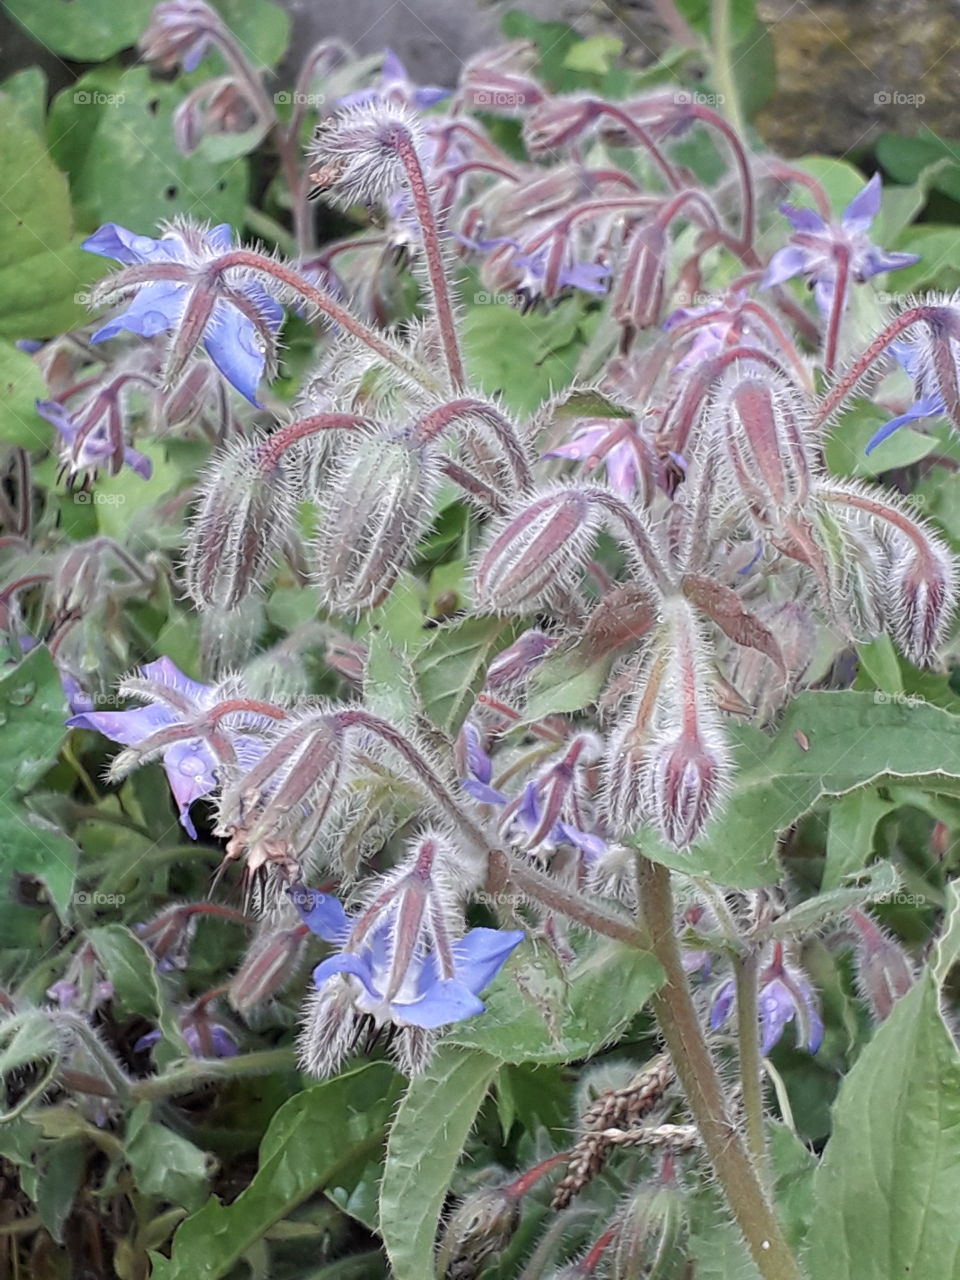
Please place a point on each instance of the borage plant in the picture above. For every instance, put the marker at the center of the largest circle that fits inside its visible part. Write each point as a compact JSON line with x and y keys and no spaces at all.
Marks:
{"x":583,"y":750}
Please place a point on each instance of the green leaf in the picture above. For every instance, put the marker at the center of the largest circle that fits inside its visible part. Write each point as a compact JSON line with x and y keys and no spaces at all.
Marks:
{"x":318,"y":1140}
{"x":846,"y":741}
{"x":853,"y":822}
{"x":30,"y":845}
{"x":937,"y":247}
{"x":164,"y":1164}
{"x":102,"y":137}
{"x":846,"y":443}
{"x":699,"y":14}
{"x":526,"y":358}
{"x":41,"y":271}
{"x":432,"y":1124}
{"x":261,"y":29}
{"x":555,"y":1017}
{"x":32,"y":713}
{"x":595,"y":54}
{"x":451,"y":667}
{"x":881,"y":881}
{"x":132,"y":970}
{"x":880,"y":664}
{"x":27,"y":90}
{"x":887,"y":1188}
{"x":840,"y":179}
{"x":82,"y":30}
{"x":566,"y":680}
{"x":21,"y":386}
{"x":61,"y":1174}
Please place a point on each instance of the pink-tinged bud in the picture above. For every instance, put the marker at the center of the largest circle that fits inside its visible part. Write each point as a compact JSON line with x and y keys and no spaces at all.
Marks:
{"x":517,"y":663}
{"x":246,"y":510}
{"x":277,"y":808}
{"x":923,"y":595}
{"x":636,"y":301}
{"x":169,"y":935}
{"x":537,"y":554}
{"x":557,"y":122}
{"x":757,"y":420}
{"x":884,"y":971}
{"x":915,"y":576}
{"x":758,"y":680}
{"x":498,"y":81}
{"x":627,"y":758}
{"x":179,"y":33}
{"x":272,"y":961}
{"x":689,"y":768}
{"x":356,"y":155}
{"x":214,"y":108}
{"x":375,"y":510}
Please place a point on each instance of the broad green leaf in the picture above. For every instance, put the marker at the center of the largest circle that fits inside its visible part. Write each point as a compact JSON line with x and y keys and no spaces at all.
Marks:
{"x":839,"y":179}
{"x":451,"y":667}
{"x":32,"y":714}
{"x":261,"y":29}
{"x":881,"y":666}
{"x":132,"y":970}
{"x":948,"y":945}
{"x":560,"y":1018}
{"x":879,"y":882}
{"x":566,"y":680}
{"x":41,"y":271}
{"x":62,"y":1169}
{"x":828,"y":744}
{"x":937,"y":246}
{"x":388,"y":681}
{"x":887,"y":1188}
{"x":82,"y":30}
{"x":164,"y":1164}
{"x":30,"y":845}
{"x":129,"y":130}
{"x":320,"y":1139}
{"x":21,"y":386}
{"x":27,"y":89}
{"x":699,"y":14}
{"x":907,"y":158}
{"x":524,"y":357}
{"x":853,"y":822}
{"x":427,"y":1137}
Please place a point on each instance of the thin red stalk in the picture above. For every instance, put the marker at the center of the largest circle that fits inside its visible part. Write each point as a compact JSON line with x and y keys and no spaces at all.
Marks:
{"x":865,"y":361}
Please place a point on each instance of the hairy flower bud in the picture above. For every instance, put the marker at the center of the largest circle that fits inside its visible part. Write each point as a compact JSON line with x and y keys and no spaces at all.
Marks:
{"x":272,"y":960}
{"x":538,"y":553}
{"x":883,"y":969}
{"x":650,"y":1235}
{"x":756,"y":419}
{"x":247,"y":507}
{"x":922,"y":583}
{"x":637,"y":298}
{"x":356,"y":155}
{"x":375,"y":511}
{"x":481,"y":1226}
{"x":179,"y":33}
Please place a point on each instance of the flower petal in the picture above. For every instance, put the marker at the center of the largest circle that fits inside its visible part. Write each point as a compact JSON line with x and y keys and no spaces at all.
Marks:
{"x":931,"y":406}
{"x":444,"y":1002}
{"x":864,"y":206}
{"x":322,"y":913}
{"x":480,"y":955}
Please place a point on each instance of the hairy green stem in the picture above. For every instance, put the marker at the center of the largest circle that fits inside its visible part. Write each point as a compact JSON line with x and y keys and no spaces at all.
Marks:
{"x":188,"y":1075}
{"x":722,"y":30}
{"x":746,"y":971}
{"x":679,"y":1022}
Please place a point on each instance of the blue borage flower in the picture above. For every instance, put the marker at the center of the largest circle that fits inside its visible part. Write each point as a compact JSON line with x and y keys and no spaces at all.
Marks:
{"x":396,"y":968}
{"x":812,"y":252}
{"x":931,"y":358}
{"x":395,"y":85}
{"x":190,"y":765}
{"x":785,"y":995}
{"x":93,"y":438}
{"x":237,"y":320}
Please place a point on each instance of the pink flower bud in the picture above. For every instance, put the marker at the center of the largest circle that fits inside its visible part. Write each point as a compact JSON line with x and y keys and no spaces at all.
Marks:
{"x":536,"y":554}
{"x":924,"y":594}
{"x":557,"y":122}
{"x":243,"y":519}
{"x":375,"y":510}
{"x":273,"y":959}
{"x":757,"y":419}
{"x":884,"y":971}
{"x":636,"y":301}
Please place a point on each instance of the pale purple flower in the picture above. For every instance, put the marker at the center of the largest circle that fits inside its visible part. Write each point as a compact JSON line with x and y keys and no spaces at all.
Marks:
{"x":785,"y":995}
{"x":930,"y":402}
{"x":241,"y":318}
{"x":395,"y":85}
{"x":814,"y":246}
{"x":190,"y":765}
{"x":615,"y":443}
{"x":93,"y":438}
